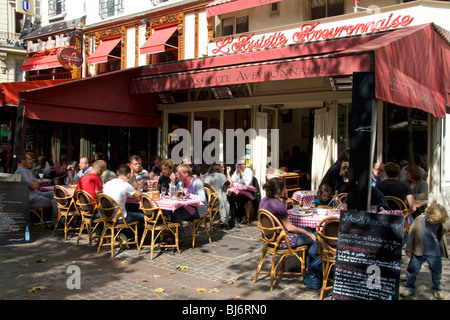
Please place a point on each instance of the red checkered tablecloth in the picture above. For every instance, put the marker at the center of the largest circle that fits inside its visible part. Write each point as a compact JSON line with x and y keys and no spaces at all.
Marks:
{"x":238,"y":190}
{"x":306,"y":221}
{"x":173,"y":204}
{"x":306,"y":196}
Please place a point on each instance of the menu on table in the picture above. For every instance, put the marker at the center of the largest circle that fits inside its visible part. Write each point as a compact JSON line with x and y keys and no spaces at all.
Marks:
{"x":368,"y":259}
{"x":14,"y":213}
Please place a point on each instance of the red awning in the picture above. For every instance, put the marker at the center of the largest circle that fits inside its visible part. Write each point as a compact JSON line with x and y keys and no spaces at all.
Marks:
{"x":284,"y":69}
{"x":99,"y":100}
{"x":100,"y":54}
{"x":218,"y":7}
{"x":44,"y":59}
{"x":157,"y":41}
{"x":10,"y":90}
{"x":407,"y":72}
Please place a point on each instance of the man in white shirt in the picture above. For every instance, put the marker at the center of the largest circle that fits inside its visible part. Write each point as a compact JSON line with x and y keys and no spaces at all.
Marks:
{"x":242,"y":175}
{"x":119,"y":189}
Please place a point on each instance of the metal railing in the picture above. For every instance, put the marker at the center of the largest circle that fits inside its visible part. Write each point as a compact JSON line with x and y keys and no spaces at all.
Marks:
{"x":10,"y":39}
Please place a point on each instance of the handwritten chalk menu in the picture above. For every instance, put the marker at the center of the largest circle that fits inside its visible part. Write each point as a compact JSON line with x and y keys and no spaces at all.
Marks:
{"x":14,"y":213}
{"x":368,"y":256}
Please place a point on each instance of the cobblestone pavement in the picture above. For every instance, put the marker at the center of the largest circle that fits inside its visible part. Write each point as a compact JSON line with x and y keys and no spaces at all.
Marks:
{"x":222,"y":270}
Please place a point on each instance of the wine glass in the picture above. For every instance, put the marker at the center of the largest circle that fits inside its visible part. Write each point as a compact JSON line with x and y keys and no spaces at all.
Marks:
{"x":41,"y":175}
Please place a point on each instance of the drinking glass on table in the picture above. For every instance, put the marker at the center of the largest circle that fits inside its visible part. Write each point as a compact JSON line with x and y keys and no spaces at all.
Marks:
{"x":41,"y":175}
{"x":163,"y":191}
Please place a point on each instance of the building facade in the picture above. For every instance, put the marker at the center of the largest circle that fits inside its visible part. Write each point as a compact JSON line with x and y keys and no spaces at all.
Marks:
{"x":170,"y":42}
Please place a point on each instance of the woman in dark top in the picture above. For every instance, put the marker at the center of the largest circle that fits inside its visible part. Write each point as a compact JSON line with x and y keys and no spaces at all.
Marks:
{"x":276,"y":188}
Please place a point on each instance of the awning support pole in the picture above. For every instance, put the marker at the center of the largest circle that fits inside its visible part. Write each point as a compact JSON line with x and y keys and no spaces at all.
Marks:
{"x":362,"y":140}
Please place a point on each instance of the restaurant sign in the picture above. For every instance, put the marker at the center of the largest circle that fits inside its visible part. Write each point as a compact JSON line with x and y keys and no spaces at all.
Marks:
{"x":308,"y":32}
{"x":70,"y":58}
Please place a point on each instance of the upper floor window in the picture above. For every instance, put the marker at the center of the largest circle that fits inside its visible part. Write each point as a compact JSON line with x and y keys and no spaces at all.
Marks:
{"x":326,"y":8}
{"x":56,"y":7}
{"x":109,"y":8}
{"x":234,"y":25}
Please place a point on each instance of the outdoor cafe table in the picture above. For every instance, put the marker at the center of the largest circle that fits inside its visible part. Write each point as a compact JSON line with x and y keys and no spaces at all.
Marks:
{"x":238,"y":191}
{"x":308,"y":221}
{"x":304,"y":196}
{"x":170,"y":204}
{"x":71,"y":191}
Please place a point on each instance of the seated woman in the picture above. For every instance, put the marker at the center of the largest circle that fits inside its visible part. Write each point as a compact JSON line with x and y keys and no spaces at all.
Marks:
{"x":414,"y":181}
{"x":276,"y":188}
{"x":193,"y":188}
{"x":324,"y":196}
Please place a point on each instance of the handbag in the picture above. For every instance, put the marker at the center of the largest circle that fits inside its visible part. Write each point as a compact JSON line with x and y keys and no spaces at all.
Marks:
{"x":313,"y":280}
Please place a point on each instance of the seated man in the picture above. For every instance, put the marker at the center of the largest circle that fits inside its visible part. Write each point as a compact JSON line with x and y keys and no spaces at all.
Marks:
{"x":242,"y":176}
{"x":391,"y":186}
{"x":119,"y":189}
{"x":84,"y":166}
{"x":156,"y":169}
{"x":92,"y":182}
{"x":138,"y":175}
{"x":36,"y":198}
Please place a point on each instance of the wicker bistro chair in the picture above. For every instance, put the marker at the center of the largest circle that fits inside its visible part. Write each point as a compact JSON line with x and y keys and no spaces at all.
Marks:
{"x":327,"y":236}
{"x":87,"y":207}
{"x":195,"y":223}
{"x":157,"y":225}
{"x":342,"y":197}
{"x":213,"y":205}
{"x":275,"y":241}
{"x":114,"y":222}
{"x":398,"y":204}
{"x":39,"y":212}
{"x":66,"y":209}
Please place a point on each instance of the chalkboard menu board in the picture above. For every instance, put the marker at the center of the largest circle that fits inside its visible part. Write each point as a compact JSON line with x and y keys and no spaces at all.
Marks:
{"x":368,"y":259}
{"x":14,"y":213}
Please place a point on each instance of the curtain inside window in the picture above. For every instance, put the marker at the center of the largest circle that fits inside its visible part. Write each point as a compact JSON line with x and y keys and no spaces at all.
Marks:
{"x":260,"y":148}
{"x":324,"y":143}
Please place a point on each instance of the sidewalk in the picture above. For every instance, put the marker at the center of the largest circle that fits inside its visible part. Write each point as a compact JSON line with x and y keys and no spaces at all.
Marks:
{"x":222,"y":270}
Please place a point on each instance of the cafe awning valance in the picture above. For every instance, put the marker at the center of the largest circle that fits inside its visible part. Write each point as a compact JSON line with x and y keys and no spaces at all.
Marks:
{"x":99,"y":100}
{"x":218,"y":7}
{"x":102,"y":52}
{"x":407,"y":72}
{"x":44,"y":59}
{"x":157,"y":41}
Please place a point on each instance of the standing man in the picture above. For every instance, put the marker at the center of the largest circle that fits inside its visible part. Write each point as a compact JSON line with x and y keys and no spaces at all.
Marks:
{"x":377,"y":173}
{"x":119,"y":189}
{"x":36,"y":198}
{"x":92,"y":182}
{"x":138,"y":176}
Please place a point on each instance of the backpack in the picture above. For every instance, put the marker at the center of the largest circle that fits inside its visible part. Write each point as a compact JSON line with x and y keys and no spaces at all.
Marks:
{"x":313,"y":280}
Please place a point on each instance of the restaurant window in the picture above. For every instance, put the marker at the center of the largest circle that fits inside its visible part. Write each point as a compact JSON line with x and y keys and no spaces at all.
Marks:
{"x":404,"y":134}
{"x":110,"y":8}
{"x":235,"y":119}
{"x":234,"y":25}
{"x":326,"y":8}
{"x":56,"y":7}
{"x":177,"y":121}
{"x":209,"y":120}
